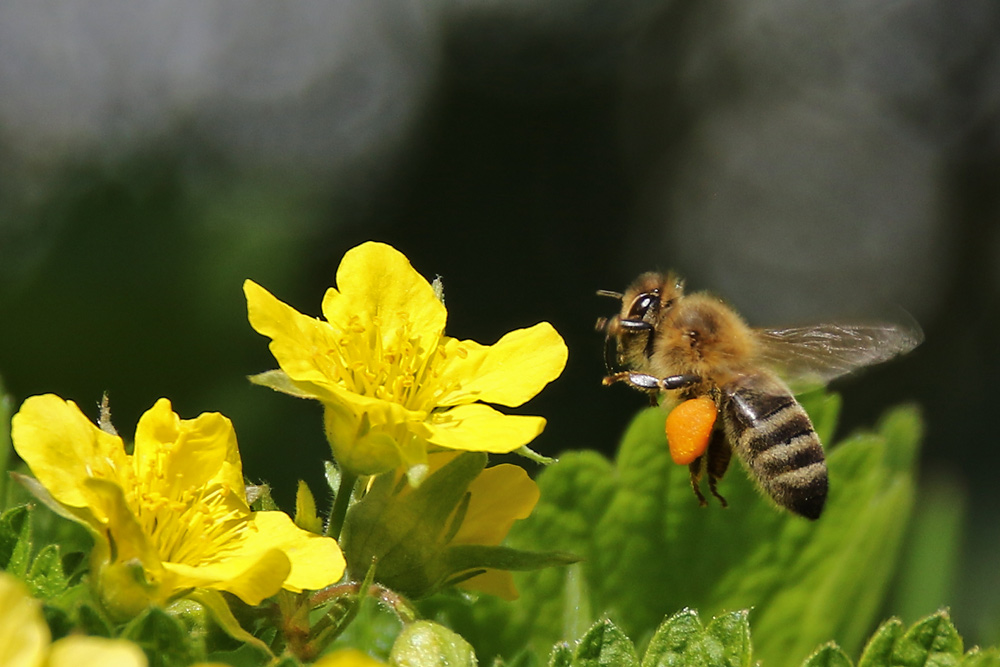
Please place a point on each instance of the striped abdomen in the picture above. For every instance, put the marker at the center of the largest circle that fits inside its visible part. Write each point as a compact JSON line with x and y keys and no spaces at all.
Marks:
{"x":773,"y":436}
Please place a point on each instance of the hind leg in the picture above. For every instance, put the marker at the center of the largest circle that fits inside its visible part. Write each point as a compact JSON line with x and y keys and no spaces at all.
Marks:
{"x":718,"y":456}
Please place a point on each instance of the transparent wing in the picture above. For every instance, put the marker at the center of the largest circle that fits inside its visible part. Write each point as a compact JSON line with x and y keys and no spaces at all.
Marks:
{"x":808,"y":357}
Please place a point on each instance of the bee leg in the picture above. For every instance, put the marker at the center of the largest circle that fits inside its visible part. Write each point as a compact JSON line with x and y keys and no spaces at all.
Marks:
{"x":695,"y":468}
{"x":646,"y":381}
{"x":718,"y":456}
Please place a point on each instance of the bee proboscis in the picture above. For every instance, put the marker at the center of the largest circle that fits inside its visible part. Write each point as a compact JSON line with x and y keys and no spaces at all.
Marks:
{"x":694,"y":347}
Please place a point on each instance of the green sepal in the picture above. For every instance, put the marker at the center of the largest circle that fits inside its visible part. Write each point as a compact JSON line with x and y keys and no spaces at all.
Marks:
{"x":682,"y":640}
{"x":464,"y":557}
{"x":278,"y":380}
{"x":15,"y":540}
{"x":259,"y":498}
{"x":215,"y":604}
{"x":404,"y":537}
{"x":828,"y":655}
{"x":35,"y":488}
{"x":331,"y":473}
{"x":532,"y":455}
{"x":305,"y":510}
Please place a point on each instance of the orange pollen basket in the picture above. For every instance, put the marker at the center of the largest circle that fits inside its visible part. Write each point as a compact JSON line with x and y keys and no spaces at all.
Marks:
{"x":689,"y":427}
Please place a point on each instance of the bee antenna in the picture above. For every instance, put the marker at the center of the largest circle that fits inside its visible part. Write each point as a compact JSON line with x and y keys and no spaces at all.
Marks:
{"x":611,"y":293}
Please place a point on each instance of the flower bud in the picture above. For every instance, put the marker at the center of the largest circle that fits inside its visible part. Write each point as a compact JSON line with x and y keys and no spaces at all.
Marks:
{"x":427,"y":644}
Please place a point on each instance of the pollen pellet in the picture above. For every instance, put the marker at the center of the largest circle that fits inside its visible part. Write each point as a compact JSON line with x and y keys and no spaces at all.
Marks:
{"x":689,"y":426}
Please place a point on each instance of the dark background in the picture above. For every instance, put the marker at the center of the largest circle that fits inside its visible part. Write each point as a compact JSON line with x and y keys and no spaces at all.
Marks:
{"x":805,"y":160}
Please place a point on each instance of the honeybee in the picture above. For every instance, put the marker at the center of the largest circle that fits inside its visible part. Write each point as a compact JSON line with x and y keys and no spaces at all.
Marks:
{"x":708,"y":362}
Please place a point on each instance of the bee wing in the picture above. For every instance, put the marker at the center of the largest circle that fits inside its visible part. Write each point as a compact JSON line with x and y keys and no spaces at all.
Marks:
{"x":809,"y":357}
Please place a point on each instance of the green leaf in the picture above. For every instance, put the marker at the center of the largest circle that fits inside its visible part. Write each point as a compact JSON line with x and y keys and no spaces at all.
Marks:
{"x":605,"y":644}
{"x":15,"y":540}
{"x":828,"y":655}
{"x":649,"y":549}
{"x":977,"y":658}
{"x":93,"y":621}
{"x":932,"y":642}
{"x":162,"y":638}
{"x":878,"y":650}
{"x":562,"y":656}
{"x":681,"y":640}
{"x":46,"y":578}
{"x":59,"y":621}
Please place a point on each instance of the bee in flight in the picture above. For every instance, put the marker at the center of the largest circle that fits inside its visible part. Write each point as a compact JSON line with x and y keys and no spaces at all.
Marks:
{"x":709,"y":363}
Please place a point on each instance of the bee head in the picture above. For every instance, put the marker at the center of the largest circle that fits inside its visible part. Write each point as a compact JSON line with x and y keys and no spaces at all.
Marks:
{"x":642,"y":305}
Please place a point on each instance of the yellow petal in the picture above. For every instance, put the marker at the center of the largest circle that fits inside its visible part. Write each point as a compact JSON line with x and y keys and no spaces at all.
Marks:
{"x":495,"y":582}
{"x":499,"y":496}
{"x":480,"y":428}
{"x":509,"y":372}
{"x":183,"y":454}
{"x":297,"y":341}
{"x":128,"y":540}
{"x":77,"y":651}
{"x":250,"y":575}
{"x":316,"y":560}
{"x":63,"y":448}
{"x":24,"y":637}
{"x":347,"y":657}
{"x":377,"y":284}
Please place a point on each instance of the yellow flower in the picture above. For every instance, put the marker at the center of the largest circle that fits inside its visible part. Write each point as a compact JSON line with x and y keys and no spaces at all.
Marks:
{"x":25,"y":640}
{"x":391,"y":382}
{"x":173,"y":515}
{"x":347,"y":657}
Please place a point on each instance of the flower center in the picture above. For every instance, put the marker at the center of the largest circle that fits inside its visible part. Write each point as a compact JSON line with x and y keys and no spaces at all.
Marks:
{"x":390,"y":365}
{"x":195,"y":527}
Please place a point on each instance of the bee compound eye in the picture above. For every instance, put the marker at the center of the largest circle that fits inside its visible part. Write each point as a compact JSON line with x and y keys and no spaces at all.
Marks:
{"x":643,"y":304}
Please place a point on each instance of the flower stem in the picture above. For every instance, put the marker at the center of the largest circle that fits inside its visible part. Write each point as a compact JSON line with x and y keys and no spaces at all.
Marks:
{"x":339,"y":510}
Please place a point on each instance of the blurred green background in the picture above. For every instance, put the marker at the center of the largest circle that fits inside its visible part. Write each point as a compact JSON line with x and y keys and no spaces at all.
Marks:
{"x":807,"y":161}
